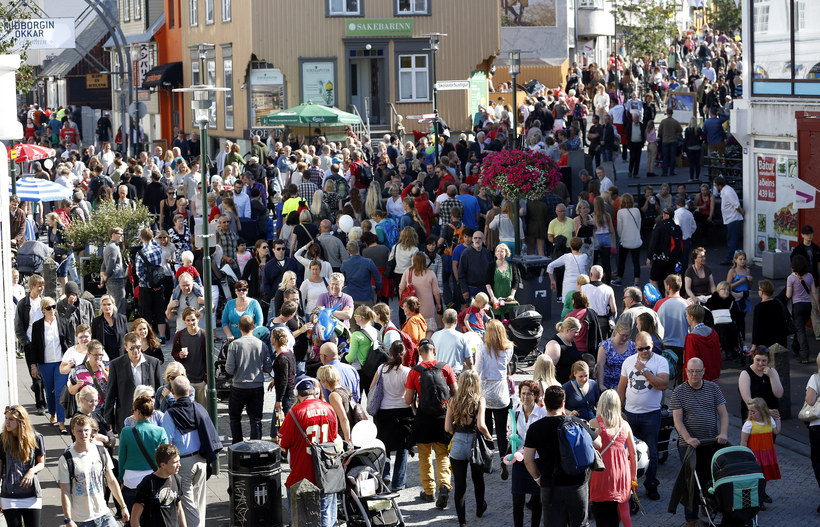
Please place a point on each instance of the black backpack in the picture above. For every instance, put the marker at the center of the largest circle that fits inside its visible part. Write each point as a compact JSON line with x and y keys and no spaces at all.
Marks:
{"x":154,"y":274}
{"x":69,"y":459}
{"x":675,"y":243}
{"x":365,"y":174}
{"x":378,"y":355}
{"x":434,"y":394}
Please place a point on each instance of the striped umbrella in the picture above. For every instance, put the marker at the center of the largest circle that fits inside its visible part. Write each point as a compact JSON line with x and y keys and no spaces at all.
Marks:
{"x":34,"y":189}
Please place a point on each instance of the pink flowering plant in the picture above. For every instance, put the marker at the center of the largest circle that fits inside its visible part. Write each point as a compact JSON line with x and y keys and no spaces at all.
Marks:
{"x":520,"y":174}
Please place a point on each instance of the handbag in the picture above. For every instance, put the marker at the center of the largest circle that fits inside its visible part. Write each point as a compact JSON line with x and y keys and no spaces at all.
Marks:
{"x":481,"y":455}
{"x":140,"y":444}
{"x":390,"y":268}
{"x":811,"y":413}
{"x":411,"y":289}
{"x":374,"y":398}
{"x":327,"y":464}
{"x":68,"y":402}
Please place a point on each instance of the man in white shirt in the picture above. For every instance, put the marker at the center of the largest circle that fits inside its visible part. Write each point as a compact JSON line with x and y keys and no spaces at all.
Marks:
{"x":451,"y":346}
{"x":672,"y":314}
{"x":732,"y":217}
{"x":325,"y":159}
{"x":600,"y":173}
{"x":220,"y":157}
{"x":687,"y":224}
{"x":241,"y":200}
{"x":644,"y":377}
{"x":709,"y":72}
{"x":601,"y":299}
{"x":106,"y":157}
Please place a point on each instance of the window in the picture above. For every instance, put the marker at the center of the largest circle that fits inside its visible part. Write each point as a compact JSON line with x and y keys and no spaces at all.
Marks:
{"x":760,"y":21}
{"x":195,"y":73}
{"x":227,"y":82}
{"x":194,"y":7}
{"x":209,"y":11}
{"x":210,"y":66}
{"x":799,"y":15}
{"x":344,"y":8}
{"x":412,"y":7}
{"x":126,"y":10}
{"x":591,"y":4}
{"x":226,"y":10}
{"x":137,"y":9}
{"x":413,"y":78}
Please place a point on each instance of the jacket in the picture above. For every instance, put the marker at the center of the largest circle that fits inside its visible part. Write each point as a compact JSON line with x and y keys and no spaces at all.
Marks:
{"x":188,"y":416}
{"x":693,"y":138}
{"x":17,"y":229}
{"x":21,"y":319}
{"x":696,"y":460}
{"x":120,"y":328}
{"x":272,"y":275}
{"x":595,"y":333}
{"x":472,"y":268}
{"x":707,"y":349}
{"x":81,"y":312}
{"x":120,"y":396}
{"x":628,"y":132}
{"x":659,"y":243}
{"x":35,"y":354}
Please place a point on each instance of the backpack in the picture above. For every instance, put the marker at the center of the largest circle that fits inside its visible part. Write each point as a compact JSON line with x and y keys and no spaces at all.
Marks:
{"x":458,"y":233}
{"x":434,"y":394}
{"x":391,"y":232}
{"x":574,"y":447}
{"x":355,"y":412}
{"x":577,"y":112}
{"x":154,"y":275}
{"x":302,"y":206}
{"x":341,"y":186}
{"x":96,"y":184}
{"x":378,"y":355}
{"x":411,"y":356}
{"x":676,"y":243}
{"x":365,"y":174}
{"x":69,"y":459}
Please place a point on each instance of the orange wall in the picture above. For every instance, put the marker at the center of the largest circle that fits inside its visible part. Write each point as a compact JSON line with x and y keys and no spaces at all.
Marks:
{"x":169,"y":49}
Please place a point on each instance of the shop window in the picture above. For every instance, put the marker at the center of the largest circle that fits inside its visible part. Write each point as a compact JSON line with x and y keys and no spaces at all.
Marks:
{"x":226,"y":10}
{"x":412,"y":7}
{"x":344,"y":8}
{"x":414,"y":84}
{"x":209,"y":11}
{"x":194,"y":12}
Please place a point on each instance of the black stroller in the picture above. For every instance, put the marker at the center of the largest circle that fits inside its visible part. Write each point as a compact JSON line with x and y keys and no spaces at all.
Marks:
{"x":30,"y":258}
{"x":525,"y":330}
{"x":223,"y":380}
{"x":366,"y":500}
{"x":738,"y":487}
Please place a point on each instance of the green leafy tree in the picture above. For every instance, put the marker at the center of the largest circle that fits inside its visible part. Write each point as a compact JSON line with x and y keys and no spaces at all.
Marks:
{"x":646,"y":27}
{"x":95,"y":232}
{"x":725,"y":15}
{"x":26,"y":78}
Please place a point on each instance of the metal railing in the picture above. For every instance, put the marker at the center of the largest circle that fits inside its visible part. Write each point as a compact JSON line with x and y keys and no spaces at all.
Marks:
{"x":359,"y":129}
{"x":394,"y":115}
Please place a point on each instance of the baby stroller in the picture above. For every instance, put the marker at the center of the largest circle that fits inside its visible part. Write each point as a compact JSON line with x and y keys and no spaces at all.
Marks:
{"x":366,"y":500}
{"x":525,"y":330}
{"x":725,"y":325}
{"x":30,"y":258}
{"x":738,"y":487}
{"x":223,"y":380}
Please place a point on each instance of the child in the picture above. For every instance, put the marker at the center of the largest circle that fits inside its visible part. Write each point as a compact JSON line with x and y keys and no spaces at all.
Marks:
{"x":740,"y":278}
{"x":243,"y":256}
{"x":159,"y":494}
{"x":563,"y":155}
{"x":17,"y":290}
{"x":758,"y":435}
{"x":187,"y":266}
{"x":474,"y":317}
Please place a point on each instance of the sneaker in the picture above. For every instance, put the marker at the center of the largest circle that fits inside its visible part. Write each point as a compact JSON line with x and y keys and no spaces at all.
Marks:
{"x":481,"y":509}
{"x":429,"y":498}
{"x":652,"y":493}
{"x":617,"y":283}
{"x":443,"y":495}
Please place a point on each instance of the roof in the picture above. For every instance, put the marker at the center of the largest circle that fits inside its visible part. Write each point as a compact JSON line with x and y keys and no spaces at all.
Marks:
{"x":86,"y":39}
{"x":142,"y":37}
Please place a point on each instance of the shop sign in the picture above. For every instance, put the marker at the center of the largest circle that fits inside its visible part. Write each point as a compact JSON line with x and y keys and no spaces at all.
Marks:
{"x":379,"y":27}
{"x":41,"y":33}
{"x":775,"y":208}
{"x":96,"y":82}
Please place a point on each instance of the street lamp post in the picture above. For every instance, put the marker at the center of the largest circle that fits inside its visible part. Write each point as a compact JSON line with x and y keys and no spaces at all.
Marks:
{"x":201,"y":106}
{"x":434,"y":41}
{"x":514,"y":67}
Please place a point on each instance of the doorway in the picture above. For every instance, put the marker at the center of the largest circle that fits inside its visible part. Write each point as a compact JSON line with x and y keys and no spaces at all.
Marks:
{"x":368,"y":91}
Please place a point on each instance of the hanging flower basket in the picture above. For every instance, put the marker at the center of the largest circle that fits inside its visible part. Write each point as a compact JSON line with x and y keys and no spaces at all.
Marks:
{"x":520,"y":174}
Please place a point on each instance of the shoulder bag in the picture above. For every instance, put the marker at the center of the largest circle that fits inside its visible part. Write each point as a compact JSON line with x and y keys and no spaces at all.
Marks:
{"x":327,"y":463}
{"x":374,"y":398}
{"x":140,"y":444}
{"x":411,"y":289}
{"x":390,"y":268}
{"x":810,"y":413}
{"x":481,"y":453}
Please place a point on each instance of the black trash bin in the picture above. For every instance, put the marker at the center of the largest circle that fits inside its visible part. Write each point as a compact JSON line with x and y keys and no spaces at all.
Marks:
{"x":255,"y":480}
{"x":535,"y":283}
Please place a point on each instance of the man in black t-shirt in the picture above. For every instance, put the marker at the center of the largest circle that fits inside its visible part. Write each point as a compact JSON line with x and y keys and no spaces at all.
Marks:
{"x":157,"y":502}
{"x":559,"y":492}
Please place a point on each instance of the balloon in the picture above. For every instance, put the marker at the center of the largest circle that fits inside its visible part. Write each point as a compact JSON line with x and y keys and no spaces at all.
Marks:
{"x":346,"y":223}
{"x":326,"y":324}
{"x":515,"y":442}
{"x":363,"y":434}
{"x":651,"y":294}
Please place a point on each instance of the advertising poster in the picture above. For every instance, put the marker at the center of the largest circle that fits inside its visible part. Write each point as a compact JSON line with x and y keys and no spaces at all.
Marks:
{"x":267,"y":94}
{"x":317,"y":83}
{"x":479,"y":93}
{"x":40,"y":33}
{"x":776,"y":212}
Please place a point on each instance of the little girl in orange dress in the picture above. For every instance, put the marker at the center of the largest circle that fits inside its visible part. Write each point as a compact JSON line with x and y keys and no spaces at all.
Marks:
{"x":758,"y":435}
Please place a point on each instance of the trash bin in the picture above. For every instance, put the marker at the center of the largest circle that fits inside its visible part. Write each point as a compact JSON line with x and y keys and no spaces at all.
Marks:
{"x":255,"y":480}
{"x":535,"y":283}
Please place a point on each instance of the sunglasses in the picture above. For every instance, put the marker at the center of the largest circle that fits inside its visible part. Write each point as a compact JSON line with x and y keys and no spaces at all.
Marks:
{"x":241,"y":290}
{"x":97,"y":356}
{"x":133,"y":348}
{"x":278,"y":248}
{"x":646,"y":348}
{"x":263,"y":247}
{"x":49,"y":308}
{"x":173,"y":378}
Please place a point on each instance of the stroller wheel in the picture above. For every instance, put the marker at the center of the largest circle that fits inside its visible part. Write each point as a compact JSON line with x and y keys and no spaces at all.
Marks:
{"x":634,"y":508}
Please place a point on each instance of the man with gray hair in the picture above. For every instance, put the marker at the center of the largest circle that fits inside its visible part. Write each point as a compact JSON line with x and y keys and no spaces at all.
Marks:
{"x":259,"y":149}
{"x":451,"y":345}
{"x":220,"y":157}
{"x":601,"y":299}
{"x":633,"y":308}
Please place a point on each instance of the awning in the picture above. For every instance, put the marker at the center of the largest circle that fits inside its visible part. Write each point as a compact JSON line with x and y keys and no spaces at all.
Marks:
{"x":142,"y":37}
{"x":88,"y":38}
{"x":164,"y":76}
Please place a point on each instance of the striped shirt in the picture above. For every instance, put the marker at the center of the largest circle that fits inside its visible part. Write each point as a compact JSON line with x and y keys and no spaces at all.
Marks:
{"x":699,"y":407}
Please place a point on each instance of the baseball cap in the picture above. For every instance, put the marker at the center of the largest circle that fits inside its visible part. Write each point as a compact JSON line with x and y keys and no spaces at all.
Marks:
{"x":303,"y":382}
{"x":668,"y":210}
{"x":336,"y":160}
{"x":807,"y":229}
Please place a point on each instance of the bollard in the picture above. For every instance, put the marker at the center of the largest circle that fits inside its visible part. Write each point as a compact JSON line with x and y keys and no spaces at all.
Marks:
{"x":305,"y":510}
{"x":780,"y":359}
{"x":50,"y":276}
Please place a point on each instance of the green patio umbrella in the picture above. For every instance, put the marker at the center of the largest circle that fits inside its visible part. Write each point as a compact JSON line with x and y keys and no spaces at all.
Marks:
{"x":309,"y":113}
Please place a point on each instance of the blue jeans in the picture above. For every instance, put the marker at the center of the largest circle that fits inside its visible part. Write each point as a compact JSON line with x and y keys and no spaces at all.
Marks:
{"x":606,"y":154}
{"x":128,"y":495}
{"x":733,"y":238}
{"x":690,"y":515}
{"x":327,"y":502}
{"x":54,"y":382}
{"x":103,"y":521}
{"x":646,"y":428}
{"x":669,"y":150}
{"x":399,"y":478}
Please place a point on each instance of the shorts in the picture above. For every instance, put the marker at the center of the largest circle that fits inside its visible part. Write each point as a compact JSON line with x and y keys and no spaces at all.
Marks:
{"x":431,"y":324}
{"x":661,"y":269}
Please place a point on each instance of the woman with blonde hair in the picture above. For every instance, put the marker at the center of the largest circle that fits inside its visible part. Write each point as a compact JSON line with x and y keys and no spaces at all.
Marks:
{"x":412,"y":218}
{"x":581,"y":394}
{"x":526,"y":411}
{"x":374,"y":199}
{"x":465,"y":418}
{"x":562,"y":349}
{"x":25,"y":451}
{"x":425,"y":283}
{"x":319,"y":209}
{"x":585,"y":230}
{"x":609,"y":490}
{"x":164,"y":397}
{"x":629,"y":238}
{"x":402,"y":253}
{"x":338,"y":397}
{"x":288,"y":282}
{"x":361,"y":342}
{"x":544,"y":374}
{"x":491,"y":363}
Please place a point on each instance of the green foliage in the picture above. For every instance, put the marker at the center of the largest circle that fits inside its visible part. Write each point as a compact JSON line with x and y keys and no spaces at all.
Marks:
{"x":646,"y":27}
{"x":25,"y":75}
{"x":725,"y":15}
{"x":95,"y":231}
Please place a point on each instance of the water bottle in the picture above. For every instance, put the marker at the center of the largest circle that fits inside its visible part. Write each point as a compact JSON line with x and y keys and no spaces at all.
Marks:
{"x":280,"y":418}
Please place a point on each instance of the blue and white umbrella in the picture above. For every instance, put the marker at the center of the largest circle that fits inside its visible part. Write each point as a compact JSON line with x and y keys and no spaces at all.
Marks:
{"x":35,"y":189}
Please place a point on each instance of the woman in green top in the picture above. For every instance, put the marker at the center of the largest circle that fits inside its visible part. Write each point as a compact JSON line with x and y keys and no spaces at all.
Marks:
{"x":502,"y":279}
{"x":235,"y":156}
{"x":580,"y":281}
{"x":361,"y":342}
{"x":134,"y":464}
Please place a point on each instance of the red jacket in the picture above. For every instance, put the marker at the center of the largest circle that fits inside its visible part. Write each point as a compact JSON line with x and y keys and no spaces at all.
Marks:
{"x":706,"y":349}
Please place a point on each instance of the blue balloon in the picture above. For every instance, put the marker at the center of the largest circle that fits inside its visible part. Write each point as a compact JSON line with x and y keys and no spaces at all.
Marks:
{"x":651,"y":294}
{"x":326,"y":324}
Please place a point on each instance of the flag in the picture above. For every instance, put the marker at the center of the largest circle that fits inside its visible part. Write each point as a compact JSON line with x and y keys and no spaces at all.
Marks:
{"x":804,"y":194}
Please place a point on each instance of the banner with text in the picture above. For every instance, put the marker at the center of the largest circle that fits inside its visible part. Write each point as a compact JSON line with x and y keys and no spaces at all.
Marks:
{"x":41,"y":33}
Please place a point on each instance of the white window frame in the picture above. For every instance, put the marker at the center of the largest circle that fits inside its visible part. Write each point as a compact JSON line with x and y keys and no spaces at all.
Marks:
{"x":126,"y":10}
{"x":415,"y":71}
{"x":137,"y":9}
{"x":800,"y":9}
{"x":413,"y":11}
{"x":193,"y":13}
{"x":209,"y":12}
{"x":590,"y":4}
{"x":226,"y":10}
{"x":210,"y":78}
{"x":344,"y":11}
{"x":195,"y":76}
{"x":227,"y":65}
{"x":760,"y":10}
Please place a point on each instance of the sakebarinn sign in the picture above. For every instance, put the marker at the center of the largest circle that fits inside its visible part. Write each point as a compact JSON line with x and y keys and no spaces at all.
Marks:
{"x":378,"y":27}
{"x":41,"y":33}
